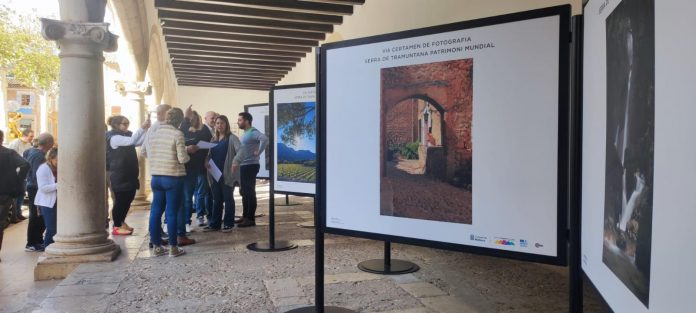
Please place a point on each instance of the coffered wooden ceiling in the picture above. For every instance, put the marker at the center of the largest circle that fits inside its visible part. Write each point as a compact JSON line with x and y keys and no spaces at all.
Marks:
{"x":246,"y":44}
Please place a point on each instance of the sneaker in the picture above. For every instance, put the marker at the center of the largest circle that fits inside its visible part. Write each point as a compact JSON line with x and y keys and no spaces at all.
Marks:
{"x":226,"y":229}
{"x":33,"y":248}
{"x":247,"y":223}
{"x":175,"y":251}
{"x":164,"y":242}
{"x":184,"y":241}
{"x":201,"y":221}
{"x":158,"y":251}
{"x":209,"y":229}
{"x":188,"y":228}
{"x":120,"y":232}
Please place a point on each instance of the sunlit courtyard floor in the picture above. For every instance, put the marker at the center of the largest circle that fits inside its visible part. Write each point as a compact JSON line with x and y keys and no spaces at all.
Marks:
{"x":219,"y":274}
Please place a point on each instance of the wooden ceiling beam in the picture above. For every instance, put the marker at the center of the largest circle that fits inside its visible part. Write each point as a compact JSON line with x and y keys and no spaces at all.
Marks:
{"x":222,"y":67}
{"x":179,"y":52}
{"x":230,"y":86}
{"x":229,"y":63}
{"x":223,"y":71}
{"x":236,"y":10}
{"x":235,"y":37}
{"x":237,"y":44}
{"x":221,"y":49}
{"x":232,"y":56}
{"x":202,"y":26}
{"x":219,"y":81}
{"x":226,"y":78}
{"x":352,"y":2}
{"x":302,"y":6}
{"x":244,"y":21}
{"x":235,"y":60}
{"x":249,"y":74}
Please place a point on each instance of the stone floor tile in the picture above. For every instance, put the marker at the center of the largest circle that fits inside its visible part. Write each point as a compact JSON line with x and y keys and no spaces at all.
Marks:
{"x":422,"y":290}
{"x":447,"y":304}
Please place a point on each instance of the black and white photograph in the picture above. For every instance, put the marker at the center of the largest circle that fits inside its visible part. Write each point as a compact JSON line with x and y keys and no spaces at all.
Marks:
{"x":630,"y":113}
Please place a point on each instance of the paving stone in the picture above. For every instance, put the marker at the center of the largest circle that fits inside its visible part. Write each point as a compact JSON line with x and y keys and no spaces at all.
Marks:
{"x":284,"y":288}
{"x":340,"y":278}
{"x":422,"y":290}
{"x":86,"y":304}
{"x":83,"y":290}
{"x":404,"y":279}
{"x":448,"y":304}
{"x":411,"y":310}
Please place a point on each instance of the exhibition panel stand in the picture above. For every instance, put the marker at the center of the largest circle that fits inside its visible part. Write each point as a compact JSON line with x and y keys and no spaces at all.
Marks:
{"x":287,"y":201}
{"x":418,"y":140}
{"x":388,"y":266}
{"x":292,"y":167}
{"x":637,"y":154}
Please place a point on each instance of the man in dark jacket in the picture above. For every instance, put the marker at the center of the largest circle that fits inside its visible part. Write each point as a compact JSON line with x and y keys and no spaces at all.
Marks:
{"x":36,"y":157}
{"x":13,"y":170}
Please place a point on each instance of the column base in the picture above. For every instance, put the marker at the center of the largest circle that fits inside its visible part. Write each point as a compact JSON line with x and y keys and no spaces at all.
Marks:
{"x":51,"y":266}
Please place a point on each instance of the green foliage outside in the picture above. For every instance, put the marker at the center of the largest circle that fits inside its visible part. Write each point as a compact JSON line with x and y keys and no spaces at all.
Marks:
{"x":407,"y":151}
{"x":24,"y":53}
{"x":296,"y":173}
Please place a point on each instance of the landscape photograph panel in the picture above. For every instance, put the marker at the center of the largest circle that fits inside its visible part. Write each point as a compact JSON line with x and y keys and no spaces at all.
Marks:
{"x":296,"y":142}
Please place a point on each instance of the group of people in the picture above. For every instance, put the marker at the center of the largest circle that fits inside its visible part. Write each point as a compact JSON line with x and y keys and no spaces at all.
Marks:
{"x":184,"y":153}
{"x":30,"y":166}
{"x":195,"y":163}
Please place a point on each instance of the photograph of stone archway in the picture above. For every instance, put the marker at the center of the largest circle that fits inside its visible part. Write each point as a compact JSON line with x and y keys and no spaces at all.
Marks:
{"x":426,"y":149}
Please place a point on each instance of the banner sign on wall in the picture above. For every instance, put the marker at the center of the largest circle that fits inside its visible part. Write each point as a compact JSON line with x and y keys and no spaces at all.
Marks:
{"x":295,"y":150}
{"x":452,"y":136}
{"x":261,"y":121}
{"x":638,"y":154}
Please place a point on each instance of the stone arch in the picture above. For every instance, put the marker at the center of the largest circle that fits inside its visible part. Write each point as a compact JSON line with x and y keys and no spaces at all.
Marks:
{"x":447,"y":84}
{"x":155,"y":60}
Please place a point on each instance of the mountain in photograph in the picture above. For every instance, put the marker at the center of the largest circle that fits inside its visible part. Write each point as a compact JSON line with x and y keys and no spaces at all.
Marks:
{"x":288,"y":154}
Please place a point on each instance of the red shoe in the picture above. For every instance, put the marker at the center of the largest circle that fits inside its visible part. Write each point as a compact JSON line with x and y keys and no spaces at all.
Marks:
{"x":120,"y":232}
{"x":184,"y":241}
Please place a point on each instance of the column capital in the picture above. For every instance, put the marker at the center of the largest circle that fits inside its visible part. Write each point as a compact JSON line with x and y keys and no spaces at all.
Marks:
{"x":67,"y":34}
{"x":139,"y":88}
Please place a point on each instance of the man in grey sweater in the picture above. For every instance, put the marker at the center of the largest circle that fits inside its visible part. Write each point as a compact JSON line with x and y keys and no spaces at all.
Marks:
{"x":246,"y":161}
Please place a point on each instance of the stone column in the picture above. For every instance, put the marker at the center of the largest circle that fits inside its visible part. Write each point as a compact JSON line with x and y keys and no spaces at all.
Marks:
{"x":136,"y":92}
{"x":82,"y":37}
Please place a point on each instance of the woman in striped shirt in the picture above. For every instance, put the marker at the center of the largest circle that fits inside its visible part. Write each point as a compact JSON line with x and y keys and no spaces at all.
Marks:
{"x":167,"y":156}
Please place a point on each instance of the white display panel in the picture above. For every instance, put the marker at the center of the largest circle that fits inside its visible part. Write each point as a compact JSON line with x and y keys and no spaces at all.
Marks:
{"x":638,"y":61}
{"x":450,"y":135}
{"x":295,"y":148}
{"x":261,"y":121}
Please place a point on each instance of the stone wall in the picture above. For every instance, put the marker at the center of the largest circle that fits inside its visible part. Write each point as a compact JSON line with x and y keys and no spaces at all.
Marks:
{"x":448,"y":85}
{"x":403,"y":122}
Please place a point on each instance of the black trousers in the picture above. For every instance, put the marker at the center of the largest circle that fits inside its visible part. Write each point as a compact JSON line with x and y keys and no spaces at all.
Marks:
{"x":122,"y":202}
{"x":36,"y":226}
{"x":247,"y":189}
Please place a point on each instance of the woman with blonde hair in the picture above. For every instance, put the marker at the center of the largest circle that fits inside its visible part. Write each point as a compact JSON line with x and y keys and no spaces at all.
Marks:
{"x":167,"y":155}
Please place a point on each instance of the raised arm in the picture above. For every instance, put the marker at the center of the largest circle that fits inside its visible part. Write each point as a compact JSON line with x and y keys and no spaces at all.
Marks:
{"x":124,"y":141}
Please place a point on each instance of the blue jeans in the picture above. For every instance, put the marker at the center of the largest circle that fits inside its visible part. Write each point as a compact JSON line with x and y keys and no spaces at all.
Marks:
{"x":165,"y":189}
{"x":50,"y":219}
{"x":204,"y":201}
{"x":184,"y":216}
{"x":222,"y":194}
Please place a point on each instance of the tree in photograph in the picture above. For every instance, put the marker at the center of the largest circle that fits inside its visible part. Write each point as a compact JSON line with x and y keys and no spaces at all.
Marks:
{"x":292,"y":119}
